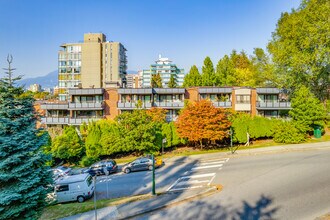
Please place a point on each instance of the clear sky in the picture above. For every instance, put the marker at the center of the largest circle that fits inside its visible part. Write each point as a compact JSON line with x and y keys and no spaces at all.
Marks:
{"x":186,"y":31}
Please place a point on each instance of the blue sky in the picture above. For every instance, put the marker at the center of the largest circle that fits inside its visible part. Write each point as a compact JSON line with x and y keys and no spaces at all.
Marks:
{"x":186,"y":31}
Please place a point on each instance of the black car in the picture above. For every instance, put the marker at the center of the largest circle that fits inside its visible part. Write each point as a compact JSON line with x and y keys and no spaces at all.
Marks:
{"x":102,"y":168}
{"x":142,"y":163}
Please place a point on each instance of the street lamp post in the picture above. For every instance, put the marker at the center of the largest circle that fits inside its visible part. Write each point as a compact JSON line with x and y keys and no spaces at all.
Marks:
{"x":231,"y":140}
{"x":153,"y":175}
{"x":95,"y":197}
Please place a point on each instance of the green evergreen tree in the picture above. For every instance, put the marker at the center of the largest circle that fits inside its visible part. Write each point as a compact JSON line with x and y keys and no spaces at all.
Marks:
{"x":225,"y":72}
{"x":68,"y":146}
{"x":93,"y":147}
{"x":156,"y":81}
{"x":172,"y":83}
{"x":193,"y":78}
{"x":24,"y":177}
{"x":307,"y":111}
{"x":208,"y":74}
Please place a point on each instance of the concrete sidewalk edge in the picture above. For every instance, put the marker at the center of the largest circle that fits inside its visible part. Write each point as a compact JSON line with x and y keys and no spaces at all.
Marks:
{"x":203,"y":194}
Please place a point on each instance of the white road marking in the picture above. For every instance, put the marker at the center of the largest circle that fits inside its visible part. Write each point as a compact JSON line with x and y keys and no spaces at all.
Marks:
{"x":192,"y":182}
{"x":171,"y":186}
{"x":206,"y":167}
{"x":211,"y":180}
{"x":189,"y":187}
{"x":198,"y":176}
{"x":217,"y":162}
{"x":214,"y":159}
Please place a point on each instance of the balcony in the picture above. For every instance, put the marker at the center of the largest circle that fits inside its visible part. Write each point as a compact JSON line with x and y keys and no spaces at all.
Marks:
{"x":169,"y":104}
{"x":273,"y":105}
{"x":169,"y":90}
{"x":268,"y":90}
{"x":170,"y":118}
{"x":55,"y":120}
{"x":215,"y":90}
{"x":86,"y":106}
{"x":132,"y":105}
{"x":80,"y":121}
{"x":54,"y":106}
{"x":222,"y":104}
{"x":86,"y":91}
{"x":135,"y":91}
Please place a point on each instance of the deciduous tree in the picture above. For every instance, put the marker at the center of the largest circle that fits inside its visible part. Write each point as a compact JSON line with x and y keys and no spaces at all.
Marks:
{"x":300,"y":47}
{"x":201,"y":121}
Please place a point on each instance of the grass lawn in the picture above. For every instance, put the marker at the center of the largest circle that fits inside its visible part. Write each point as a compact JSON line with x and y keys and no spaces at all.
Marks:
{"x":67,"y":209}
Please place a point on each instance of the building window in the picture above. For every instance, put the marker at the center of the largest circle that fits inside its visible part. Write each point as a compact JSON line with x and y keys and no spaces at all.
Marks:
{"x":243,"y":99}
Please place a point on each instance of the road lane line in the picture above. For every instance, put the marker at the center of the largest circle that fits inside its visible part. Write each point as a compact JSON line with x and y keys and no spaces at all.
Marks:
{"x":171,"y":186}
{"x":190,"y":187}
{"x":214,"y":159}
{"x":211,"y":180}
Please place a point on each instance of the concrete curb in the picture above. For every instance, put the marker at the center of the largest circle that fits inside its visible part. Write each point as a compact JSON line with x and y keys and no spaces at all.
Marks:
{"x":203,"y":194}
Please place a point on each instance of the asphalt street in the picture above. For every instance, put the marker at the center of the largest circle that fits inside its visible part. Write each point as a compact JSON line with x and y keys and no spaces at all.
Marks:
{"x":289,"y":185}
{"x":176,"y":175}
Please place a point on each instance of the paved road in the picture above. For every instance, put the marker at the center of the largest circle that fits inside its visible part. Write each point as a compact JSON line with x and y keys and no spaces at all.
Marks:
{"x":291,"y":185}
{"x":177,"y":174}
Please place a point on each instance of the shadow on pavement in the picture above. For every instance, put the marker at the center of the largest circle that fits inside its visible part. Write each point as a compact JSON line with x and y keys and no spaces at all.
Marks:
{"x":261,"y":209}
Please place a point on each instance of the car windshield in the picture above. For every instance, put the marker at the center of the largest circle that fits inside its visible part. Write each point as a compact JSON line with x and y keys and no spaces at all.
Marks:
{"x":62,"y":168}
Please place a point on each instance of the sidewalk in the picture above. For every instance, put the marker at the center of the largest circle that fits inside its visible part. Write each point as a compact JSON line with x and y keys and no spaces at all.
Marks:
{"x":133,"y":209}
{"x":130,"y":210}
{"x":254,"y":151}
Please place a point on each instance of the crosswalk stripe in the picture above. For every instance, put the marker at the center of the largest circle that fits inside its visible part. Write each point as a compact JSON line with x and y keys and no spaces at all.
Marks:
{"x":206,"y":167}
{"x":214,"y":159}
{"x":204,"y":164}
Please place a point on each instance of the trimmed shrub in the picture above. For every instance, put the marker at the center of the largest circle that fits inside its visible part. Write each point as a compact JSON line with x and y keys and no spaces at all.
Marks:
{"x":287,"y":132}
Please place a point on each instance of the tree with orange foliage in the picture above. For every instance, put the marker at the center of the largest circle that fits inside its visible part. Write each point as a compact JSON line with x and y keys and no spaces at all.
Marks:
{"x":201,"y":121}
{"x":157,"y":114}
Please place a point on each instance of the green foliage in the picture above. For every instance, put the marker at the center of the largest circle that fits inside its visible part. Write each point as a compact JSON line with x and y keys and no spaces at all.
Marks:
{"x":300,"y":47}
{"x":24,"y":177}
{"x":225,"y":72}
{"x":140,"y":132}
{"x":171,"y":135}
{"x":68,"y":146}
{"x":208,"y":74}
{"x":156,"y":81}
{"x":307,"y":111}
{"x":193,"y":78}
{"x":92,"y":140}
{"x":257,"y":127}
{"x":288,"y":133}
{"x":87,"y":161}
{"x":172,"y":83}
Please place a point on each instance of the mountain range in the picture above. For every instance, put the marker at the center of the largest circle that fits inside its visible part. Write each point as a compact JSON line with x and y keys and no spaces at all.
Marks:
{"x":48,"y":81}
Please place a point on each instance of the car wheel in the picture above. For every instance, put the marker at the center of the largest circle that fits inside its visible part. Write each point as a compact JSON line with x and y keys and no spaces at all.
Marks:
{"x":127,"y":170}
{"x":150,"y":167}
{"x":107,"y":172}
{"x":80,"y":199}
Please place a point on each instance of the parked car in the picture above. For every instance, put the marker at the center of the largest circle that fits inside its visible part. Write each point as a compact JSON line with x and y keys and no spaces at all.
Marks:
{"x":61,"y":171}
{"x":74,"y":188}
{"x":142,"y":163}
{"x":102,"y":168}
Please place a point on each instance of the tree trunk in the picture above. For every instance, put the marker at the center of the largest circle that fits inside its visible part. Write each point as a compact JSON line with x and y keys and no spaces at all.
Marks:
{"x":201,"y":142}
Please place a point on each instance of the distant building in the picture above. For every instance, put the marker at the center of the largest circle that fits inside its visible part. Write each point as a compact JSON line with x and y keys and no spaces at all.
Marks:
{"x":56,"y":91}
{"x":165,"y":68}
{"x":94,"y":63}
{"x":49,"y":90}
{"x":35,"y":88}
{"x":133,"y":81}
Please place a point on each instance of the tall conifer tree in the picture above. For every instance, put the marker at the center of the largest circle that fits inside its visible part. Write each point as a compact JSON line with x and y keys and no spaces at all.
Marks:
{"x":24,"y":178}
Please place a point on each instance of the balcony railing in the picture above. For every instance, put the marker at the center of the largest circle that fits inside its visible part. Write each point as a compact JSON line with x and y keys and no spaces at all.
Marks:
{"x":273,"y":105}
{"x":86,"y":105}
{"x":79,"y":121}
{"x":86,"y":91}
{"x":55,"y":106}
{"x":169,"y":104}
{"x":268,"y":90}
{"x":132,"y":105}
{"x":55,"y":120}
{"x":215,"y":90}
{"x":169,"y":90}
{"x":222,"y":104}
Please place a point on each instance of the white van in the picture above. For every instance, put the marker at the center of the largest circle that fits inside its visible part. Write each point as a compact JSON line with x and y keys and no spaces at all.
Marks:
{"x":74,"y":188}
